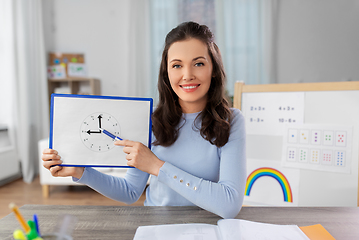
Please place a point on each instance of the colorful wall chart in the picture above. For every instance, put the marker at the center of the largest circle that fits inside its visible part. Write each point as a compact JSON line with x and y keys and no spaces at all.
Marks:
{"x":320,"y":147}
{"x":318,"y":155}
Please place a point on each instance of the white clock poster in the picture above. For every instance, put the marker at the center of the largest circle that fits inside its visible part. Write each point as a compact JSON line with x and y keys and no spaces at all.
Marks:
{"x":83,"y":126}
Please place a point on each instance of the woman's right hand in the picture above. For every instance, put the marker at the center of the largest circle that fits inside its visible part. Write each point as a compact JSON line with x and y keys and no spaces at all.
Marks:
{"x":51,"y":160}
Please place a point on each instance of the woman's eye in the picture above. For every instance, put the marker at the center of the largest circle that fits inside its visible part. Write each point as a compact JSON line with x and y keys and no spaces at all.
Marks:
{"x":176,"y":66}
{"x":199,"y":64}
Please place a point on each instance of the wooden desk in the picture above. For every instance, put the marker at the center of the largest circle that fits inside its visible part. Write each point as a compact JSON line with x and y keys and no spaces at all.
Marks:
{"x":116,"y":222}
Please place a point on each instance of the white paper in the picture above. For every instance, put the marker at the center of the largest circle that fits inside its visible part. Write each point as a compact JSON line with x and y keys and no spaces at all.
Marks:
{"x":266,"y":113}
{"x":77,"y":69}
{"x":73,"y":116}
{"x":56,"y":72}
{"x":248,"y":230}
{"x":318,"y":147}
{"x":226,"y":229}
{"x":194,"y":231}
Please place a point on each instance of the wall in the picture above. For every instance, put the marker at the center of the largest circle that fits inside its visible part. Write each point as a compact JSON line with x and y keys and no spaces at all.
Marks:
{"x":318,"y":41}
{"x":98,"y":29}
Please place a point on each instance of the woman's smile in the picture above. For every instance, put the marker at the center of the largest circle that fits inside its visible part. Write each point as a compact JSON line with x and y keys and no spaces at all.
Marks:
{"x":189,"y":87}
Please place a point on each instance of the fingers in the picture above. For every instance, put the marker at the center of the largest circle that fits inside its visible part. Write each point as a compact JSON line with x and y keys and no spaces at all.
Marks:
{"x":135,"y":152}
{"x":49,"y":151}
{"x":51,"y":161}
{"x":130,"y":147}
{"x":125,"y":143}
{"x":50,"y":164}
{"x":131,"y":161}
{"x":55,"y":170}
{"x":128,"y":150}
{"x":47,"y":157}
{"x":50,"y":154}
{"x":128,"y":157}
{"x":50,"y":158}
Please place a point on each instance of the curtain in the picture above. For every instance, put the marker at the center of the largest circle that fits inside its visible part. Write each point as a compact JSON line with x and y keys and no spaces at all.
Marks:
{"x":163,"y":18}
{"x":9,"y":158}
{"x":139,"y":49}
{"x":27,"y":75}
{"x":7,"y":64}
{"x":246,"y":32}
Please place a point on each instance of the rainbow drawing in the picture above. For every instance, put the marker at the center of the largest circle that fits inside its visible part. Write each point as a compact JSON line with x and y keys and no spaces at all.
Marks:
{"x":270,"y":172}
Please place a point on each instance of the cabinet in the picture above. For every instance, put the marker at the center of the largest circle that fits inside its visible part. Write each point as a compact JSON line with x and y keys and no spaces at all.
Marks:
{"x":74,"y":85}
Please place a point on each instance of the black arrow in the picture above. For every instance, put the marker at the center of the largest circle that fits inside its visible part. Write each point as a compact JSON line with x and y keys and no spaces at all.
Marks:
{"x":99,"y":121}
{"x":89,"y":132}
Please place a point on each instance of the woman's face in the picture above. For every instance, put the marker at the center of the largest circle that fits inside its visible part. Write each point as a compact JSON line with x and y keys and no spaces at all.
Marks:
{"x":189,"y":69}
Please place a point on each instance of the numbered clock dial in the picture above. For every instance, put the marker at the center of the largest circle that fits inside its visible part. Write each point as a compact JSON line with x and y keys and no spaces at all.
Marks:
{"x":92,"y":136}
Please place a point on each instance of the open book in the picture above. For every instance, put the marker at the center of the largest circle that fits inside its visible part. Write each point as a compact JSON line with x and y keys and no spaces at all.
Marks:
{"x":226,"y":229}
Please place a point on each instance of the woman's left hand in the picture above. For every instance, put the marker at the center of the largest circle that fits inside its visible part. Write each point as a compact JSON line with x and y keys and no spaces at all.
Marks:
{"x":141,"y":157}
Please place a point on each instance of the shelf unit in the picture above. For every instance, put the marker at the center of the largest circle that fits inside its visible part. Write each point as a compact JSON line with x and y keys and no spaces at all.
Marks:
{"x":74,"y":85}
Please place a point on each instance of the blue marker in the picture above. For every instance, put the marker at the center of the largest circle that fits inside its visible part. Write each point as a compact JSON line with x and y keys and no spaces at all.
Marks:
{"x":110,"y":134}
{"x":36,"y":221}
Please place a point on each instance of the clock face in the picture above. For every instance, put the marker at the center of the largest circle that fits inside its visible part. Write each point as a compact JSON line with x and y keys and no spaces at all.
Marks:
{"x":92,"y":136}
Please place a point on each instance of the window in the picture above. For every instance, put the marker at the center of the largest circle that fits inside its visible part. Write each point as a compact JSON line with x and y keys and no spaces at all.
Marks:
{"x":242,"y":31}
{"x":201,"y":11}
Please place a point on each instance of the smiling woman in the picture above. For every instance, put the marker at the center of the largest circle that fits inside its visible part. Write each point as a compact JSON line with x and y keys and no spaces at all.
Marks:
{"x":198,"y":154}
{"x":191,"y":57}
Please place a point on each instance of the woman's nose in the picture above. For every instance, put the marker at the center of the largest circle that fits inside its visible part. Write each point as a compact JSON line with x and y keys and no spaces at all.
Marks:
{"x":188,"y":74}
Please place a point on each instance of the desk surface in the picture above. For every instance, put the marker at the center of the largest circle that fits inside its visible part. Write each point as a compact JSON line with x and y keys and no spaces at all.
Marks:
{"x":116,"y":222}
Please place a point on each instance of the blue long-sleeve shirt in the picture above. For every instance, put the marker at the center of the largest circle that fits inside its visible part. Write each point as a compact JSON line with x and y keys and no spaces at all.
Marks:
{"x":195,"y":172}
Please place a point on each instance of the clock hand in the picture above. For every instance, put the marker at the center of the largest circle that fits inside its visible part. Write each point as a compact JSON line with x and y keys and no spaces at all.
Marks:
{"x":99,"y":121}
{"x":89,"y":132}
{"x":110,"y":134}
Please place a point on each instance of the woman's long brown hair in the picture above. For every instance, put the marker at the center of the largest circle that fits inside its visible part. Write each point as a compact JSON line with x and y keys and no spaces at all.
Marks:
{"x":215,"y":117}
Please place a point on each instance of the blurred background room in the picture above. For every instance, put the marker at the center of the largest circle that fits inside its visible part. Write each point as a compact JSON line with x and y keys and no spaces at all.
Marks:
{"x":113,"y":48}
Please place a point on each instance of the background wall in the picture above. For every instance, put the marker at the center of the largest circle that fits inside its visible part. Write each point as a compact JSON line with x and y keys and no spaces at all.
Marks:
{"x":97,"y":28}
{"x":317,"y":40}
